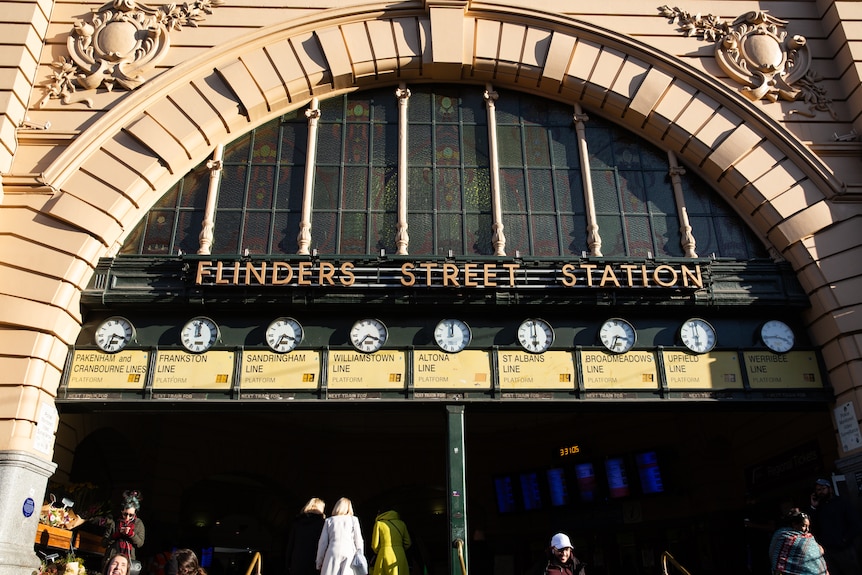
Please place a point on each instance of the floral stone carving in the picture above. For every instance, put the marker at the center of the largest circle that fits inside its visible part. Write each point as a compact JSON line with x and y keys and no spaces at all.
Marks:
{"x":123,"y":41}
{"x":756,"y":52}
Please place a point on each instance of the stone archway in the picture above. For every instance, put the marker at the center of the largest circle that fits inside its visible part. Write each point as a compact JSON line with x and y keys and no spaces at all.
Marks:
{"x":111,"y":174}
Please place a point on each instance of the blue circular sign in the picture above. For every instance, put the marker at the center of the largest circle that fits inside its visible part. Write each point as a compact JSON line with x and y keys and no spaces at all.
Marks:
{"x":29,"y":507}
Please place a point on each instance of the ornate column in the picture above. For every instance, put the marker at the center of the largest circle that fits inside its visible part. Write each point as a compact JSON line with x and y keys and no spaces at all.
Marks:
{"x":686,"y":239}
{"x":594,"y":240}
{"x":498,"y":238}
{"x":304,"y":237}
{"x":401,"y":238}
{"x":208,"y":225}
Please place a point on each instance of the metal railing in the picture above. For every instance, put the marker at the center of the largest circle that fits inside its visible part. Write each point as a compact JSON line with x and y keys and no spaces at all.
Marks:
{"x":665,"y":557}
{"x":254,"y":566}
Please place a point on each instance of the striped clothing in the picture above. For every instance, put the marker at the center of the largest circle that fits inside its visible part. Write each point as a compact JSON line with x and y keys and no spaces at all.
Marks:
{"x":796,"y":553}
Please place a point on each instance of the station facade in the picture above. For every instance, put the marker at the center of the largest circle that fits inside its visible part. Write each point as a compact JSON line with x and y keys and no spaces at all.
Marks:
{"x":510,"y":270}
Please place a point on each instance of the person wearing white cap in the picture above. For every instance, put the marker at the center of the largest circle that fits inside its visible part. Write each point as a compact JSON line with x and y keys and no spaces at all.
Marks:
{"x":561,"y":557}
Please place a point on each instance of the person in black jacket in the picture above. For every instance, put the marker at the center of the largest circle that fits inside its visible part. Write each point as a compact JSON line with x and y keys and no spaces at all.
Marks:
{"x":837,"y":527}
{"x":304,"y":535}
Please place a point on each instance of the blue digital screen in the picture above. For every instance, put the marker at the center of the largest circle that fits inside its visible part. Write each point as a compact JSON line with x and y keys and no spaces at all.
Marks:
{"x":557,"y":488}
{"x":649,"y":472}
{"x":532,"y":496}
{"x":505,"y":494}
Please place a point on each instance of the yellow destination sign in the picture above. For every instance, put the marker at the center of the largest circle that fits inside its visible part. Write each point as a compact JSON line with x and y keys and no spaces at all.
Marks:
{"x":268,"y":370}
{"x":632,"y":370}
{"x":99,"y":370}
{"x":549,"y":370}
{"x":465,"y":370}
{"x":793,"y":370}
{"x":354,"y":370}
{"x":716,"y":370}
{"x":212,"y":370}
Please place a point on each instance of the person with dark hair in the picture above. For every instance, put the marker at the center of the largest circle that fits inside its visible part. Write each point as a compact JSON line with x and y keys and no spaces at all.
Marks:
{"x":793,"y":550}
{"x":184,"y":562}
{"x":837,"y":526}
{"x":561,"y":557}
{"x":118,"y":565}
{"x":304,"y":535}
{"x":126,"y":534}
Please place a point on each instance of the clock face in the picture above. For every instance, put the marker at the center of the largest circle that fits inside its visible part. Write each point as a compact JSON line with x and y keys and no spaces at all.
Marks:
{"x":368,"y":335}
{"x":283,"y":335}
{"x":452,"y":335}
{"x":199,"y":334}
{"x":535,"y":335}
{"x":777,"y":336}
{"x":697,"y":335}
{"x":114,"y":334}
{"x":617,"y":335}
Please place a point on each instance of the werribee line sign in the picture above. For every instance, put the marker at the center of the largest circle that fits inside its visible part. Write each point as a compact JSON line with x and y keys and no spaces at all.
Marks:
{"x":448,"y":274}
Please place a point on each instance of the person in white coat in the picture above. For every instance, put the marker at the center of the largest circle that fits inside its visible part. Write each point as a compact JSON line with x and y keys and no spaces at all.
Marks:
{"x":339,"y":541}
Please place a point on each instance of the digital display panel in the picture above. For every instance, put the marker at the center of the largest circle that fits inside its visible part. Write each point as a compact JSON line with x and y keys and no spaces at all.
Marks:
{"x":586,"y":477}
{"x":531,"y":494}
{"x":618,"y":481}
{"x":557,"y":488}
{"x":649,"y":472}
{"x":505,"y":494}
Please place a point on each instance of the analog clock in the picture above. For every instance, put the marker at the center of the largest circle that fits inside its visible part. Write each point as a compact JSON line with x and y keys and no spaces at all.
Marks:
{"x":368,"y":335}
{"x":452,"y":335}
{"x":617,"y":335}
{"x":535,"y":335}
{"x":697,"y":335}
{"x":114,"y":334}
{"x":283,"y":334}
{"x":777,"y":336}
{"x":199,"y":334}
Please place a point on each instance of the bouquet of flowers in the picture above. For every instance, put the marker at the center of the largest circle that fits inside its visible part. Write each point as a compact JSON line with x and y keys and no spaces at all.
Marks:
{"x":60,"y":515}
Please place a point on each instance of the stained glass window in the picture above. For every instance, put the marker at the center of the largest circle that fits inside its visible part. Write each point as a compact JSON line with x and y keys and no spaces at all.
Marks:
{"x":449,"y":196}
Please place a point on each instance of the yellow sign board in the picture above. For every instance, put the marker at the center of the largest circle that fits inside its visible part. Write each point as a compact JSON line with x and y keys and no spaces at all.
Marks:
{"x":212,"y":370}
{"x":631,"y":370}
{"x":267,"y":370}
{"x":793,"y":370}
{"x":354,"y":370}
{"x":99,"y":370}
{"x":464,"y":370}
{"x":549,"y":370}
{"x":716,"y":370}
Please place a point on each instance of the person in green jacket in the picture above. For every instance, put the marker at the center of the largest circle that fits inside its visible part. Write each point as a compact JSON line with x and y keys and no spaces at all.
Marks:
{"x":390,"y":541}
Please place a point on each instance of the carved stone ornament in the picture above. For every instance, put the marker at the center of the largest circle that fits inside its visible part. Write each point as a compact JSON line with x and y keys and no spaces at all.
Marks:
{"x":756,"y":52}
{"x":123,"y":41}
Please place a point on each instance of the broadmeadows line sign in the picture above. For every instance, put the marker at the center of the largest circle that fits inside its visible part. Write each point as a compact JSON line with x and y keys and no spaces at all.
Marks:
{"x":448,"y":274}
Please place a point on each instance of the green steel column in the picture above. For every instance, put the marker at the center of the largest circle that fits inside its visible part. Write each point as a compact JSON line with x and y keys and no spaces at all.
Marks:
{"x":457,"y":489}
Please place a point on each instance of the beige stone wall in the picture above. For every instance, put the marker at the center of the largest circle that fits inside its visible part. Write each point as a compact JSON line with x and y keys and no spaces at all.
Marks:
{"x":73,"y":191}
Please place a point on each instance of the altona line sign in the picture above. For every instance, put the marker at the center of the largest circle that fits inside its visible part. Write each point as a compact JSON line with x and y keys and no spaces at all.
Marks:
{"x":448,"y":274}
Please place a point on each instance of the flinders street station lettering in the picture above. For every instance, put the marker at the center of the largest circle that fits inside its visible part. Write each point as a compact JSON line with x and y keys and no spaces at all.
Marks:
{"x":448,"y":274}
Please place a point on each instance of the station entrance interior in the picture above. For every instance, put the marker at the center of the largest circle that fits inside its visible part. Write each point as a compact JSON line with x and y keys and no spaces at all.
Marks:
{"x":234,"y":477}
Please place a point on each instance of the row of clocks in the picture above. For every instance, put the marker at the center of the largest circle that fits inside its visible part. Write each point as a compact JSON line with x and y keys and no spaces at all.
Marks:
{"x":451,"y":335}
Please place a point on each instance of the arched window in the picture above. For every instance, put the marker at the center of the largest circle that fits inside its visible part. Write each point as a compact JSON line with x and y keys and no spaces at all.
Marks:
{"x":450,"y":155}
